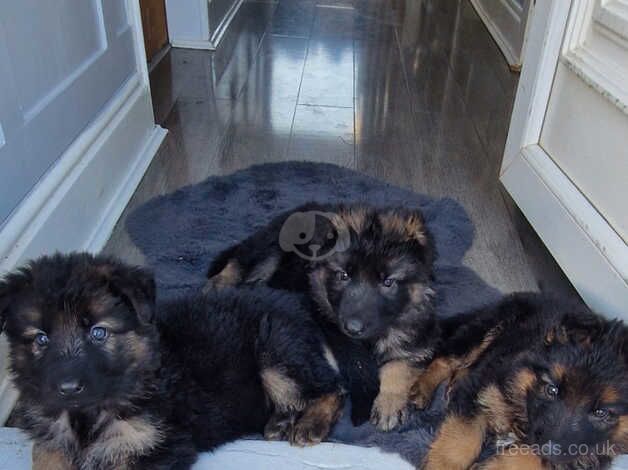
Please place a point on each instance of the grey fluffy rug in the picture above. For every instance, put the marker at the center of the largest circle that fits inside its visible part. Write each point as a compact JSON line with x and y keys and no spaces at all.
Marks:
{"x":180,"y":233}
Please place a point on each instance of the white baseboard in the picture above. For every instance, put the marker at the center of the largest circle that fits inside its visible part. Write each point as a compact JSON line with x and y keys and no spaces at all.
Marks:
{"x":206,"y":45}
{"x":590,"y":252}
{"x":112,"y":213}
{"x":77,"y":203}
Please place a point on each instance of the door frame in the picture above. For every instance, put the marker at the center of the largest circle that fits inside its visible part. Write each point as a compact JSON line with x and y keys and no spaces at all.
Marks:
{"x":591,"y":253}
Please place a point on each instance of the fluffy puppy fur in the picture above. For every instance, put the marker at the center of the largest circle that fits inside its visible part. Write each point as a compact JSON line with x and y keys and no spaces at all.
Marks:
{"x":546,"y":376}
{"x":107,"y":381}
{"x":367,"y":272}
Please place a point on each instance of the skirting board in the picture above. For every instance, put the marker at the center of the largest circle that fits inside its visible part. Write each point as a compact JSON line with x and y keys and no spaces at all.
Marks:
{"x":78,"y":202}
{"x":588,"y":250}
{"x":513,"y":61}
{"x":205,"y":45}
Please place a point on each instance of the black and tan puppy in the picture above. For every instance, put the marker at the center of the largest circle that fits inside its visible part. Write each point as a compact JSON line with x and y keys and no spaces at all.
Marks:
{"x":368,"y":272}
{"x":547,"y":376}
{"x":107,"y":381}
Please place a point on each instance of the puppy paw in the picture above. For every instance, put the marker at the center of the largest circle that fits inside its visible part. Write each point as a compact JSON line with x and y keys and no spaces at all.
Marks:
{"x":309,"y":431}
{"x":420,"y":396}
{"x":279,"y":427}
{"x":389,"y":411}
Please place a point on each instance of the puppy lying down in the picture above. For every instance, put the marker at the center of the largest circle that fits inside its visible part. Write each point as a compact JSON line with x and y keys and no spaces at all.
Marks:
{"x":107,"y":380}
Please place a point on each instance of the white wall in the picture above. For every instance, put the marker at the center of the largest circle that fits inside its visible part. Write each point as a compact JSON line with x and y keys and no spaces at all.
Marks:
{"x":199,"y":24}
{"x":188,"y":23}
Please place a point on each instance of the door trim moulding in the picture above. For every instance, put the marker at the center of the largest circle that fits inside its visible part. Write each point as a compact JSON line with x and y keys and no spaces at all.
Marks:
{"x":587,"y":248}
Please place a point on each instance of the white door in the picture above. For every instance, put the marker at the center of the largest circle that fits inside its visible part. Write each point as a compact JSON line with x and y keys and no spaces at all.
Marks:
{"x":566,"y":160}
{"x":60,"y":62}
{"x":76,"y":128}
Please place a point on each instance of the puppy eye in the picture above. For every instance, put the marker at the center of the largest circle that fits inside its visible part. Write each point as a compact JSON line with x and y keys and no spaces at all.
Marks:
{"x":551,"y":391}
{"x":342,"y":276}
{"x":41,"y":339}
{"x":388,"y":282}
{"x":98,"y":333}
{"x":601,"y":413}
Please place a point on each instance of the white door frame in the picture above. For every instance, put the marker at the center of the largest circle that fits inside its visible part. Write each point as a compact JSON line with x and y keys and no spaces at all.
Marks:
{"x":591,"y":253}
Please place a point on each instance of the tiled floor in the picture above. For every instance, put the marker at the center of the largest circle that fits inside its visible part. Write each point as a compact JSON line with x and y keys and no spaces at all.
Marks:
{"x":414,"y":92}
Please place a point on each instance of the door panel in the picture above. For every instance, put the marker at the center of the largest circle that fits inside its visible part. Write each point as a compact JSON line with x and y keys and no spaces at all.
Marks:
{"x":586,"y":128}
{"x":71,"y":57}
{"x":587,"y":137}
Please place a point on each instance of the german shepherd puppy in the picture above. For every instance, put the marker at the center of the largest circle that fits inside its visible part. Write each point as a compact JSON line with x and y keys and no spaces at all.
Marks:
{"x":368,"y":273}
{"x":107,"y":381}
{"x":547,"y":376}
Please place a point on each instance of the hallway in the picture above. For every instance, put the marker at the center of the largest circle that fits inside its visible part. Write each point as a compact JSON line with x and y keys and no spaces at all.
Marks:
{"x":411,"y":92}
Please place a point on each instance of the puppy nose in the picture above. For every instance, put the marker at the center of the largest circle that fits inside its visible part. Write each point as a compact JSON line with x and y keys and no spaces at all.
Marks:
{"x":70,"y":387}
{"x":354,"y":326}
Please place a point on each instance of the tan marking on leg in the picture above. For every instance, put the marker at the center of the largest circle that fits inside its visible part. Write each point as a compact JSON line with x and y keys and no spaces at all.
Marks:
{"x":282,"y":390}
{"x":448,"y":368}
{"x":513,"y":458}
{"x":390,"y":406}
{"x":231,"y":275}
{"x":457,"y":444}
{"x":317,"y":420}
{"x":48,"y":459}
{"x":438,"y":371}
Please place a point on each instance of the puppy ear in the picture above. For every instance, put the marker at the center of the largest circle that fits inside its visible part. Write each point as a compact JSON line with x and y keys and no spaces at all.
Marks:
{"x":136,"y":286}
{"x":417,"y":230}
{"x":10,"y":286}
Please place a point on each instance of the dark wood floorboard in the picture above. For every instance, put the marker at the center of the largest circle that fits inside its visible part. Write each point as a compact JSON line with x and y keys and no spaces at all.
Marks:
{"x":414,"y":92}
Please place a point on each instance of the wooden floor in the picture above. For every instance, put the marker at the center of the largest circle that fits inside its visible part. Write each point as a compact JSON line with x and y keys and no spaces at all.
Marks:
{"x":413,"y":92}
